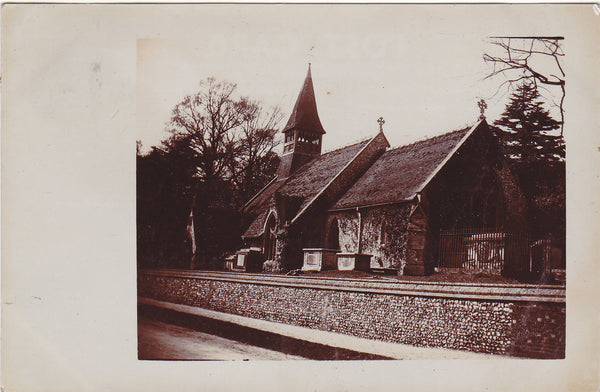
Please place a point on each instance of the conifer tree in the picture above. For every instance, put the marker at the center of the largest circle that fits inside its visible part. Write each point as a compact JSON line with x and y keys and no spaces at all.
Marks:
{"x":527,"y":129}
{"x":537,"y":157}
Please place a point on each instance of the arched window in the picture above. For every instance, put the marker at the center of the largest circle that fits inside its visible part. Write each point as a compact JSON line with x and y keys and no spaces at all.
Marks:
{"x":383,"y":234}
{"x":270,"y":238}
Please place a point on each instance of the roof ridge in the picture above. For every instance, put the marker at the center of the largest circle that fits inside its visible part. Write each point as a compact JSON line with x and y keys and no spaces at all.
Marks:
{"x":426,"y":139}
{"x":463,"y":139}
{"x":314,"y":198}
{"x":353,"y":143}
{"x":324,"y":154}
{"x":401,"y":173}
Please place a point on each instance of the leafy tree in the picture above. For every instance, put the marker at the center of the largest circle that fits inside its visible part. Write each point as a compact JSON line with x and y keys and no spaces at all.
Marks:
{"x":219,"y":153}
{"x":537,"y":157}
{"x":527,"y":128}
{"x":164,"y":194}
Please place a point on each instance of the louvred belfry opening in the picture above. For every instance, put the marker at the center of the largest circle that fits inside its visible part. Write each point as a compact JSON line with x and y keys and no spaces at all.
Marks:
{"x":303,"y":131}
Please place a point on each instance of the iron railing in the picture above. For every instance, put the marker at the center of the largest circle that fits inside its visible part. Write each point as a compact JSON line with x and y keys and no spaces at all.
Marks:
{"x":494,"y":250}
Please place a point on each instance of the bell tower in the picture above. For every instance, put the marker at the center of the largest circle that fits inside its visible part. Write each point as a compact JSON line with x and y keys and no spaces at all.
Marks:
{"x":303,"y":131}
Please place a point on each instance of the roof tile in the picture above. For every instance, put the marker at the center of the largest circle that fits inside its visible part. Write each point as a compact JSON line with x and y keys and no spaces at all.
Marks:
{"x":398,"y":173}
{"x":304,"y":184}
{"x":305,"y":115}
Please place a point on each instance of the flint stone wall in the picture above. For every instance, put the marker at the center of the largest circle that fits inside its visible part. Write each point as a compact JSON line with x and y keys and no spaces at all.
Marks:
{"x":534,"y":329}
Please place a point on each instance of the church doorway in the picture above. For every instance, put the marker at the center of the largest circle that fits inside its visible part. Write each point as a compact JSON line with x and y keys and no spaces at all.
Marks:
{"x":334,"y":236}
{"x":270,"y":238}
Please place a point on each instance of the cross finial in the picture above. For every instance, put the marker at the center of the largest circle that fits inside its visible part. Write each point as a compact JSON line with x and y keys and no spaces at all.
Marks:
{"x":380,"y":121}
{"x":482,"y":106}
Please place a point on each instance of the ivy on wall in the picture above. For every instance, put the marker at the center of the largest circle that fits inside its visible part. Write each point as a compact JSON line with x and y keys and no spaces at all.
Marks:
{"x":384,"y":233}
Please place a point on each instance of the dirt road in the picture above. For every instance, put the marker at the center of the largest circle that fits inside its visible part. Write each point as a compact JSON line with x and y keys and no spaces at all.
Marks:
{"x":158,"y":340}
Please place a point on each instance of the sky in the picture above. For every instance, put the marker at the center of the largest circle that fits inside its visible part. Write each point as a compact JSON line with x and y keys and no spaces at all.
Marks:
{"x":420,"y":68}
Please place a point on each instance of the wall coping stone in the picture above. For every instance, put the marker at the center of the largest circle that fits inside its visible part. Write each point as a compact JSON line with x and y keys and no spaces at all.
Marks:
{"x":383,"y":285}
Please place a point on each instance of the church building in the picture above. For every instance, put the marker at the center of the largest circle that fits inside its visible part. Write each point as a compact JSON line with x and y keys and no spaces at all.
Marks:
{"x":371,"y":206}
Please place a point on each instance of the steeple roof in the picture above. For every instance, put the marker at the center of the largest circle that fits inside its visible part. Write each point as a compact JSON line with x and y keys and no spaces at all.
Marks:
{"x":305,"y":116}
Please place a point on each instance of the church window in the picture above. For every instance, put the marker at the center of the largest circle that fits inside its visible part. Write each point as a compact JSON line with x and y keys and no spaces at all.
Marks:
{"x":383,"y":234}
{"x":270,"y":238}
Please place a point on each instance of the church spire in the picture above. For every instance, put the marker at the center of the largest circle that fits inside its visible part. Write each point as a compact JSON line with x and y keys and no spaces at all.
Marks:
{"x":304,"y":116}
{"x":303,"y":131}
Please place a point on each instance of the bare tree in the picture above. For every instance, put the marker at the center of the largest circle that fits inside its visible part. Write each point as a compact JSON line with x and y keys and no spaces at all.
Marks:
{"x":229,"y":136}
{"x":223,"y":143}
{"x":533,"y":59}
{"x":254,"y":149}
{"x":208,"y":118}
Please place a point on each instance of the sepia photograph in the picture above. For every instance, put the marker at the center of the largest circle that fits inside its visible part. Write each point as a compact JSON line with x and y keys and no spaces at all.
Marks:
{"x":300,"y":197}
{"x":370,"y":193}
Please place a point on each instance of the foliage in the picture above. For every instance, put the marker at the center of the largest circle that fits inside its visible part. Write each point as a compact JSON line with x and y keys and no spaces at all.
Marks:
{"x":536,"y":157}
{"x":533,"y":60}
{"x":527,"y":128}
{"x":164,"y":194}
{"x":219,"y":153}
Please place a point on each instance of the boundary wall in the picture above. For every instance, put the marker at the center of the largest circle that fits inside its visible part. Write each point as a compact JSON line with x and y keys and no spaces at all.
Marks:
{"x":515,"y":320}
